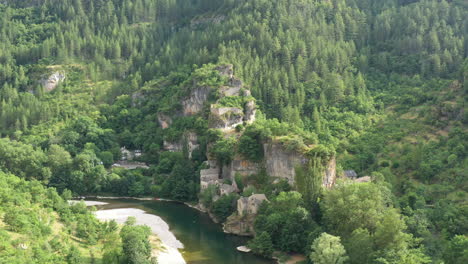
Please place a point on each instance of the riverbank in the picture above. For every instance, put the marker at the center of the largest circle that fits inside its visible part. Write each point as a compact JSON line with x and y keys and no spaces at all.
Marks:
{"x":165,"y":245}
{"x":168,"y":253}
{"x":204,"y":241}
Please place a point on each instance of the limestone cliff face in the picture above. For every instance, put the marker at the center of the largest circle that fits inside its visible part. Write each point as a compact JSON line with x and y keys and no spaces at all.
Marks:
{"x":226,"y":118}
{"x":190,"y":140}
{"x":281,"y":163}
{"x":240,"y":166}
{"x":195,"y":102}
{"x":249,"y":112}
{"x":329,"y":178}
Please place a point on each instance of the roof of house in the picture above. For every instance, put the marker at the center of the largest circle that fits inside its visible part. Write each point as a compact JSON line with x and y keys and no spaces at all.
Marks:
{"x":350,"y":174}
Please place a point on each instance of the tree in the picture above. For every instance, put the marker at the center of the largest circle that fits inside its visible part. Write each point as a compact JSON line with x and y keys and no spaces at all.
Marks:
{"x":135,"y":243}
{"x":327,"y":249}
{"x":351,"y":206}
{"x":224,"y":206}
{"x":262,"y":245}
{"x":457,"y":250}
{"x":359,"y":247}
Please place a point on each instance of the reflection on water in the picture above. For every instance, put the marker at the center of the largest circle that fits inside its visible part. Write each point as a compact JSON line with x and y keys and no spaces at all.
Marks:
{"x":204,"y":241}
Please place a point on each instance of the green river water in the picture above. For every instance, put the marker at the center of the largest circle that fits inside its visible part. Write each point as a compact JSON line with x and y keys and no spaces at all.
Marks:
{"x":204,"y":241}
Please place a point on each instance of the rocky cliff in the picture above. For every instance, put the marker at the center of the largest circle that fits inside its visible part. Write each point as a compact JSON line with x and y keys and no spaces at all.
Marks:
{"x":280,"y":162}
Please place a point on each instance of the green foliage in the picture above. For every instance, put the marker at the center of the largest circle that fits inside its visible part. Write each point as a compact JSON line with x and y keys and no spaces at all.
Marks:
{"x":207,"y":195}
{"x":251,"y":143}
{"x":223,"y":150}
{"x":135,"y":244}
{"x":309,"y":181}
{"x":380,"y":83}
{"x":45,"y":223}
{"x":262,"y":245}
{"x":234,"y":101}
{"x":328,"y":249}
{"x":224,"y":206}
{"x":457,"y":251}
{"x":287,"y":222}
{"x":363,"y":212}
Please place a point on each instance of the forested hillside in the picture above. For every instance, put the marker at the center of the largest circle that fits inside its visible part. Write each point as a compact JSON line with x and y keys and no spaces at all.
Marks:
{"x":380,"y":86}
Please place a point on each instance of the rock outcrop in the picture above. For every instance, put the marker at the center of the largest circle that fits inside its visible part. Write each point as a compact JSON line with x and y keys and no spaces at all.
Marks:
{"x":226,"y":118}
{"x":190,"y":140}
{"x":240,"y":166}
{"x":51,"y":82}
{"x":329,"y":178}
{"x":282,"y":163}
{"x":195,"y":102}
{"x":242,"y":222}
{"x":164,"y":120}
{"x":249,"y":112}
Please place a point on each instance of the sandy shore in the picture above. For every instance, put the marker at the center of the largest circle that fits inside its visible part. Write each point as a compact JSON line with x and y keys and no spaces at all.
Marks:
{"x":87,"y":203}
{"x":170,"y":254}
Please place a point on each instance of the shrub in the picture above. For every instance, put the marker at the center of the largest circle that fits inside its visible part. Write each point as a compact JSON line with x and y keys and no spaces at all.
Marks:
{"x":224,"y":206}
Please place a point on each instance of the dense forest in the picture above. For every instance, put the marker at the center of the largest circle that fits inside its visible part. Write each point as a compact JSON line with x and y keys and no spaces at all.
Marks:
{"x":382,"y":85}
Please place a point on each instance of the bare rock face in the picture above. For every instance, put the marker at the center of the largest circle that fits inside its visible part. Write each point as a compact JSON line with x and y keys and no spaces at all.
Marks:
{"x":164,"y":120}
{"x":281,"y":163}
{"x":241,"y":167}
{"x":329,"y":178}
{"x":194,"y":103}
{"x":242,"y":222}
{"x":230,"y":91}
{"x":173,"y":146}
{"x":53,"y":81}
{"x":250,"y":110}
{"x":190,"y":140}
{"x":192,"y":143}
{"x":226,"y":118}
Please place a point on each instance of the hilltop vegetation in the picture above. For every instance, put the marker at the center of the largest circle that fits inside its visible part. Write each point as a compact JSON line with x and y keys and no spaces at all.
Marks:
{"x":380,"y":83}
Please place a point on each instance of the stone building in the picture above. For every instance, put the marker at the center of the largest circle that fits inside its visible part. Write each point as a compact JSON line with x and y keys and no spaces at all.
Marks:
{"x":250,"y":205}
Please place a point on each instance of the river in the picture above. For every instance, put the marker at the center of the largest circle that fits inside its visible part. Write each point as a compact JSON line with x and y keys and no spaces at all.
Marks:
{"x":203,"y":241}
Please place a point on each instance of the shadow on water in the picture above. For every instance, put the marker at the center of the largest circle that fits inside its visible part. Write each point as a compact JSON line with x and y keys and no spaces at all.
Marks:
{"x":204,"y":241}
